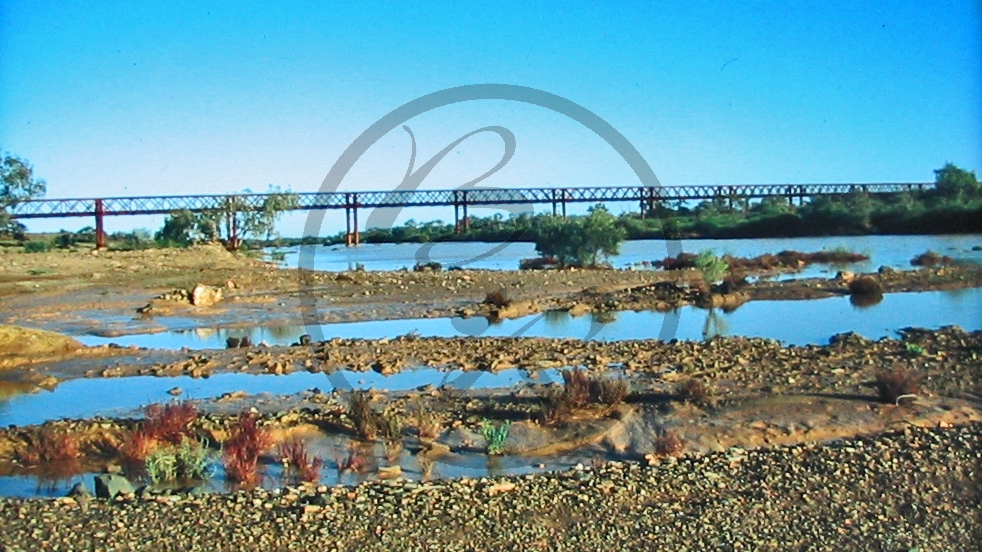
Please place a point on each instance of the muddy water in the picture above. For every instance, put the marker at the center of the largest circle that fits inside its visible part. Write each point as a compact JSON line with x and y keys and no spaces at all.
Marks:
{"x":895,"y":251}
{"x":792,"y":322}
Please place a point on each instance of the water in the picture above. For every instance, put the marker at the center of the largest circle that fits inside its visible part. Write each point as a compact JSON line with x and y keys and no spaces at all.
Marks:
{"x":792,"y":322}
{"x":124,"y":397}
{"x":894,"y":251}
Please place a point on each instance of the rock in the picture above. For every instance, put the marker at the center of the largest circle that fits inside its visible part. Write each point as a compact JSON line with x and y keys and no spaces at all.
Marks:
{"x":434,"y":449}
{"x":79,"y":491}
{"x":579,"y":309}
{"x":887,"y":270}
{"x":175,"y":391}
{"x":389,"y":472}
{"x":205,"y":296}
{"x":230,"y":284}
{"x":845,"y":276}
{"x":110,"y":485}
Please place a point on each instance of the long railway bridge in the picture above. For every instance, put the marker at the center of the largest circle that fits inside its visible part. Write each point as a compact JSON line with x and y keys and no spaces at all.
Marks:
{"x":460,"y":200}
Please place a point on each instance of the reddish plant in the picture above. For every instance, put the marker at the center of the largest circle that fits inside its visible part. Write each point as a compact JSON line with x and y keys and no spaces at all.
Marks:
{"x":865,"y":285}
{"x":892,"y":385}
{"x":353,"y":462}
{"x":137,"y":447}
{"x":576,"y":385}
{"x":298,"y":463}
{"x":242,"y":449}
{"x":169,"y":423}
{"x":669,"y":444}
{"x":45,"y":446}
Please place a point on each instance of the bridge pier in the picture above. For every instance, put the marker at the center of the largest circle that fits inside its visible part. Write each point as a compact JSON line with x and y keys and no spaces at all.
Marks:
{"x":352,"y":237}
{"x":100,"y":231}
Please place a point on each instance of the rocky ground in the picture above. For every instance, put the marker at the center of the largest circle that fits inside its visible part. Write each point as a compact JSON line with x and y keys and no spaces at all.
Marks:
{"x":78,"y":292}
{"x":918,"y":489}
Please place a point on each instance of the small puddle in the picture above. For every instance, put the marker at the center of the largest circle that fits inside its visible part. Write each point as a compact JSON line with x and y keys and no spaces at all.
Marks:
{"x":792,"y":322}
{"x":124,"y":397}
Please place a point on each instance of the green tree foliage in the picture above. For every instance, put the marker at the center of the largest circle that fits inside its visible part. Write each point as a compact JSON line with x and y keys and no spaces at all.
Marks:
{"x":956,"y":184}
{"x":237,"y":221}
{"x":713,"y":268}
{"x":184,"y":227}
{"x":583,"y":241}
{"x":17,"y":183}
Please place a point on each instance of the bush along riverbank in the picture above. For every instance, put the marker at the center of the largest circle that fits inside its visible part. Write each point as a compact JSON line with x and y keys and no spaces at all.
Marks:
{"x":954,"y":205}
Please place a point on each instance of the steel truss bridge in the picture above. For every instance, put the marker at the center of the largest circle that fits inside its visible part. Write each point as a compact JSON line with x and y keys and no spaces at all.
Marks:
{"x":646,"y":197}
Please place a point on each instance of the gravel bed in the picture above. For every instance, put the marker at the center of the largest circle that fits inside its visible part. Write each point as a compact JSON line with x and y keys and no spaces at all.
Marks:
{"x":912,"y":489}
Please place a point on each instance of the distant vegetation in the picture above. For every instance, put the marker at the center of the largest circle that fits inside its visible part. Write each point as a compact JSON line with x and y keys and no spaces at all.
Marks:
{"x":954,"y":205}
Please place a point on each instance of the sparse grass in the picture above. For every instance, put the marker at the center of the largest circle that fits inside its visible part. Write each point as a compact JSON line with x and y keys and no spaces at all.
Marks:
{"x":298,"y":463}
{"x":668,"y":443}
{"x":428,"y":427}
{"x":362,"y":415}
{"x":581,"y":390}
{"x":892,"y":385}
{"x":241,"y":452}
{"x":576,"y":386}
{"x":692,"y":390}
{"x":497,"y":298}
{"x":610,"y":392}
{"x":495,"y":435}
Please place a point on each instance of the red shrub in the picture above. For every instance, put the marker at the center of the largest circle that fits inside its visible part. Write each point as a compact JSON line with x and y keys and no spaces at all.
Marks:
{"x":298,"y":462}
{"x":47,"y":446}
{"x":241,"y":451}
{"x":170,"y":423}
{"x":137,"y":447}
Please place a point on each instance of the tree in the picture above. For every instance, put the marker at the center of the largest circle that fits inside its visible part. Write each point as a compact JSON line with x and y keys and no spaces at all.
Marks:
{"x":17,"y":183}
{"x":179,"y":228}
{"x":954,"y":183}
{"x":238,"y":219}
{"x":583,"y":241}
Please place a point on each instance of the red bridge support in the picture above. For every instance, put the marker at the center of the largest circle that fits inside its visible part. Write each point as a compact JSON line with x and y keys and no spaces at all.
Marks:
{"x":100,"y":233}
{"x":352,"y":237}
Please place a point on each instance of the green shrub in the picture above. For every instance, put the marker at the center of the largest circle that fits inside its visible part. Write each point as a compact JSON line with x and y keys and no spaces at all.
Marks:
{"x":37,"y":246}
{"x":495,"y":435}
{"x":713,"y":268}
{"x":190,"y":460}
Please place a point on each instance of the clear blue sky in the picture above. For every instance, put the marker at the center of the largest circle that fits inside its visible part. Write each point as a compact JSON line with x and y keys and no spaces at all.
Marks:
{"x":123,"y":99}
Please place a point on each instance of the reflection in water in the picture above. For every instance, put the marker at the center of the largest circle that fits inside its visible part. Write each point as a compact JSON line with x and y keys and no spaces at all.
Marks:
{"x":715,"y":325}
{"x":865,"y":300}
{"x":793,"y":322}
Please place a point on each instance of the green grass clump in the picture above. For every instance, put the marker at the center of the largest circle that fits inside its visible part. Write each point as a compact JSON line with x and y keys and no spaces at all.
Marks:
{"x":495,"y":435}
{"x":190,"y":460}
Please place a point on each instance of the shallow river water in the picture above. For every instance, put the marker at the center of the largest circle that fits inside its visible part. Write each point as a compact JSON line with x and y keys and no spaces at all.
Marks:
{"x":792,"y":322}
{"x":895,"y":251}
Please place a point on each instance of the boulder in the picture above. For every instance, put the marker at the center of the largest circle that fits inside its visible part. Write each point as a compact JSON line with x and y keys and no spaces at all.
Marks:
{"x":845,"y":276}
{"x":205,"y":296}
{"x":109,"y":485}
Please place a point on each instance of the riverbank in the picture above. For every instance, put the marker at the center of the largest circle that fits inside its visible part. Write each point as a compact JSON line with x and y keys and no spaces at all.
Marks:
{"x":914,"y":489}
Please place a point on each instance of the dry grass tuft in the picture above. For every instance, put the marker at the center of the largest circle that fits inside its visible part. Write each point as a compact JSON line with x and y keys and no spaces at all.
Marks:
{"x":692,"y":390}
{"x":497,"y":298}
{"x":668,"y":443}
{"x":865,"y":285}
{"x":892,"y":385}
